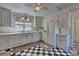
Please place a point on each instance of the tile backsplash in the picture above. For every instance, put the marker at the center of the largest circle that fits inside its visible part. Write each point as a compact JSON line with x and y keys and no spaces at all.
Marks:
{"x":7,"y":29}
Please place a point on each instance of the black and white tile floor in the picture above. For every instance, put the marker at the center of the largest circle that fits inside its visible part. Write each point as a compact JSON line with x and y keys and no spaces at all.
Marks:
{"x":39,"y":51}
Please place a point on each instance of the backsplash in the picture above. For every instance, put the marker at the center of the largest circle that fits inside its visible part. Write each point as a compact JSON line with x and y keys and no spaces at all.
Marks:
{"x":7,"y":29}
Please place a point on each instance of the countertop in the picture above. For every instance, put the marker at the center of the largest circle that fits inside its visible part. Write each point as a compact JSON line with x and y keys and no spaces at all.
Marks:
{"x":12,"y":33}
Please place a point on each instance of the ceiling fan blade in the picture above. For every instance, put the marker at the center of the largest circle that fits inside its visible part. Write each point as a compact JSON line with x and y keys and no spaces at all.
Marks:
{"x":45,"y":8}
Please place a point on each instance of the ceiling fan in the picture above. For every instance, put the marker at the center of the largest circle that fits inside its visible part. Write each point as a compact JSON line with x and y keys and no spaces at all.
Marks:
{"x":38,"y":7}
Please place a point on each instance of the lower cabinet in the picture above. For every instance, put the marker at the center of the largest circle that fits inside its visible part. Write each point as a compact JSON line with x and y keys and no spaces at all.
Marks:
{"x":4,"y":42}
{"x":30,"y":38}
{"x":62,"y":42}
{"x":9,"y":41}
{"x":24,"y":39}
{"x":14,"y":40}
{"x":36,"y":37}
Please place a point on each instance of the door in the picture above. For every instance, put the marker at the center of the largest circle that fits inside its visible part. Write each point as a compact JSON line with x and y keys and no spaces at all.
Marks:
{"x":0,"y":17}
{"x":50,"y":33}
{"x":77,"y":29}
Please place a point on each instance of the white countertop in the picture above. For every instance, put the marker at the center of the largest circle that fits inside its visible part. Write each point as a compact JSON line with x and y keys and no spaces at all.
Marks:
{"x":12,"y":33}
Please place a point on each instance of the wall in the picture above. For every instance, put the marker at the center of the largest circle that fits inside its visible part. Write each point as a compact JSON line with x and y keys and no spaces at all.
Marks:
{"x":4,"y":29}
{"x":67,"y":15}
{"x":16,"y":16}
{"x":53,"y":17}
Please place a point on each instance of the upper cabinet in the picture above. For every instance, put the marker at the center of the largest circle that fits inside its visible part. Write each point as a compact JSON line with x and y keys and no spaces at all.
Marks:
{"x":39,"y":21}
{"x":5,"y":17}
{"x":63,"y":22}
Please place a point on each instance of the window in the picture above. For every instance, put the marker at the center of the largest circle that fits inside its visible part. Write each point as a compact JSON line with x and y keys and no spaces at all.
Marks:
{"x":20,"y":26}
{"x":28,"y":26}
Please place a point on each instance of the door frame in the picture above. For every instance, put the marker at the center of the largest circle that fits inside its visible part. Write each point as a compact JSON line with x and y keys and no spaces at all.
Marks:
{"x":74,"y":15}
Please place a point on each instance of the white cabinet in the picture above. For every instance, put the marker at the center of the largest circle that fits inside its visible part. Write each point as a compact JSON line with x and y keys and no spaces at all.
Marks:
{"x":14,"y":40}
{"x":38,"y":22}
{"x":35,"y":37}
{"x":62,"y":41}
{"x":63,"y":19}
{"x":4,"y":42}
{"x":0,"y":17}
{"x":30,"y":38}
{"x":6,"y":17}
{"x":24,"y":39}
{"x":9,"y":41}
{"x":63,"y":22}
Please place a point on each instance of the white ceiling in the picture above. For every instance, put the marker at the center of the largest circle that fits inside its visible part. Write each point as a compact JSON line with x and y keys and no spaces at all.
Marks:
{"x":29,"y":8}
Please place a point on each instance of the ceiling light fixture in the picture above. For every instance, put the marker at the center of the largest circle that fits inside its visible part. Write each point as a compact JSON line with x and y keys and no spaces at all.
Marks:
{"x":37,"y":7}
{"x":24,"y":19}
{"x":28,"y":19}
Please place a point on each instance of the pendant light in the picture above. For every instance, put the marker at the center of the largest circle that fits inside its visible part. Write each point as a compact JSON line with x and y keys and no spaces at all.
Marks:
{"x":38,"y":7}
{"x":25,"y":18}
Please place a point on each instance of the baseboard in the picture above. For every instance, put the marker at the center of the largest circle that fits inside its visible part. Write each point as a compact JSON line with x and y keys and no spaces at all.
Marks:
{"x":37,"y":42}
{"x":24,"y":45}
{"x":47,"y":43}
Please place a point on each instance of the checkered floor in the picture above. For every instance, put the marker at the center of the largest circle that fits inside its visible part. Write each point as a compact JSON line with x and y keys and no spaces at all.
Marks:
{"x":39,"y":51}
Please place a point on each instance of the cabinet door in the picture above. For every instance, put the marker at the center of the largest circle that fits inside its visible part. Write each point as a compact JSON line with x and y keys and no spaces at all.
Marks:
{"x":30,"y":38}
{"x":62,"y":43}
{"x":35,"y":37}
{"x":0,"y":17}
{"x":38,"y":22}
{"x":24,"y":39}
{"x":6,"y":17}
{"x":14,"y":40}
{"x":4,"y":42}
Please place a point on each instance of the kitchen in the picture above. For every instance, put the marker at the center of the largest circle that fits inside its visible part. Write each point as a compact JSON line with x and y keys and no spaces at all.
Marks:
{"x":24,"y":25}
